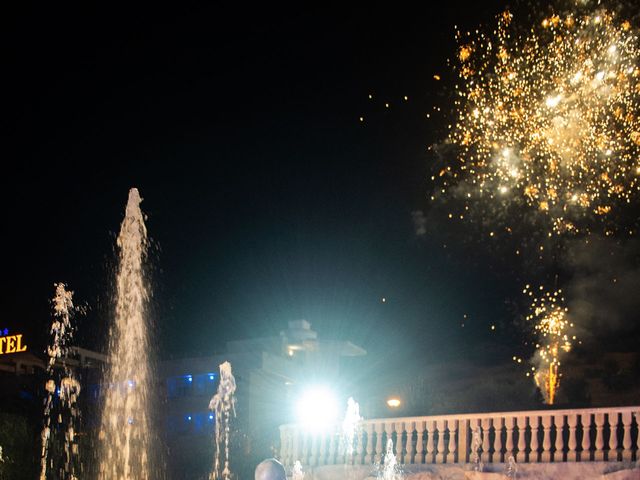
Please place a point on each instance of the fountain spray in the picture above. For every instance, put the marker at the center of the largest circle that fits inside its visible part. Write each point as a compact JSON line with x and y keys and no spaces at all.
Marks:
{"x":125,"y":430}
{"x":390,"y":469}
{"x":68,"y":387}
{"x":223,"y":404}
{"x":350,"y":425}
{"x":297,"y":473}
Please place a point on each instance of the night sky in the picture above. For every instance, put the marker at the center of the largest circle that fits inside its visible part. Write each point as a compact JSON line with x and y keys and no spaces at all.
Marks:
{"x":268,"y":200}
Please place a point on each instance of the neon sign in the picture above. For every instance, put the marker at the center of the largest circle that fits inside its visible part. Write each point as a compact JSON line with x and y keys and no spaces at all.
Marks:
{"x":11,"y":343}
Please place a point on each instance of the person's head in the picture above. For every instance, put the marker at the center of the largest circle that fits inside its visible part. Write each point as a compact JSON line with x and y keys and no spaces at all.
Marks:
{"x":270,"y":469}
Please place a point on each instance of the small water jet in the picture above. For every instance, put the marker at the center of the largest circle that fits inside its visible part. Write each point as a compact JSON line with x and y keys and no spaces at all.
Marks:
{"x":390,"y":470}
{"x":512,"y":467}
{"x":125,"y":425}
{"x":350,"y":425}
{"x":64,"y":412}
{"x":223,"y":403}
{"x":297,"y":473}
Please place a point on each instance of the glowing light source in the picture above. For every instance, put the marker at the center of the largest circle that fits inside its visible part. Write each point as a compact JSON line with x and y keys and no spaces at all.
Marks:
{"x":317,"y":408}
{"x":393,"y":402}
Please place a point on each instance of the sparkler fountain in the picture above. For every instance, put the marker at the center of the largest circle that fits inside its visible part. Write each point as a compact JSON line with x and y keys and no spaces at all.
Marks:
{"x":125,"y":434}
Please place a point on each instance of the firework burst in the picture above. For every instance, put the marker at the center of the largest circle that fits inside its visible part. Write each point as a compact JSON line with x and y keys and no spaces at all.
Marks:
{"x":547,"y":138}
{"x":548,"y":120}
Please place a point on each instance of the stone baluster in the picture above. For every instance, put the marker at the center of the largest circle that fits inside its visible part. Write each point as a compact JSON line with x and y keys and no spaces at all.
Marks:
{"x":371,"y":444}
{"x":452,"y":427}
{"x":305,"y":449}
{"x":585,"y":453}
{"x":521,"y":456}
{"x":498,"y":423}
{"x":315,"y":457}
{"x":431,"y":427}
{"x":390,"y":428}
{"x":627,"y":420}
{"x":546,"y":439}
{"x":324,"y":457}
{"x":534,"y":455}
{"x":476,"y":427}
{"x":292,"y":435}
{"x":440,"y":452}
{"x":486,"y":432}
{"x":558,"y":452}
{"x":399,"y":443}
{"x":463,"y":441}
{"x":379,"y":444}
{"x":572,"y":422}
{"x":296,"y":446}
{"x":612,"y":444}
{"x":411,"y":447}
{"x":636,"y":415}
{"x":509,"y":424}
{"x":340,"y":449}
{"x":284,"y":443}
{"x":420,"y":428}
{"x":598,"y":455}
{"x":333,"y":457}
{"x":359,"y":447}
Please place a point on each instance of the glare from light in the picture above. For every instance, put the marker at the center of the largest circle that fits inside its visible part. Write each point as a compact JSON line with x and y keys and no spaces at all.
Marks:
{"x":393,"y":402}
{"x":317,"y":409}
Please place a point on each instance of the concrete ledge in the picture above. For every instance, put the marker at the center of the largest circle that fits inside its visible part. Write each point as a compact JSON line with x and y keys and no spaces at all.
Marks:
{"x":496,"y":471}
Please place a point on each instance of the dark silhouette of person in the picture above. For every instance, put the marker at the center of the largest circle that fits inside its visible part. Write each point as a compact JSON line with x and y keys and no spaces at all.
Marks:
{"x":270,"y":469}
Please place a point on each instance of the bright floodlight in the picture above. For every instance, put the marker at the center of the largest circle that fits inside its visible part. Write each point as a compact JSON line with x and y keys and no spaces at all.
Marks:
{"x":393,"y":402}
{"x":317,"y":408}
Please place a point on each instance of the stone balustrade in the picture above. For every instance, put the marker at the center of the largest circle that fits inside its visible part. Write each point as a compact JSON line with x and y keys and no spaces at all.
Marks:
{"x":580,"y":435}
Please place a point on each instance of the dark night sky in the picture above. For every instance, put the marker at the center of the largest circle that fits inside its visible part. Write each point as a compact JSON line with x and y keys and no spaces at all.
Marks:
{"x":267,"y":199}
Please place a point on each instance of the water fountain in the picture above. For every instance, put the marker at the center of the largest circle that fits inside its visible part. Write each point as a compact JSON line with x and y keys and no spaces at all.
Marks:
{"x":390,"y":469}
{"x":350,"y":424}
{"x":223,"y":404}
{"x":297,"y":473}
{"x":512,"y":467}
{"x":64,"y":413}
{"x":125,"y":440}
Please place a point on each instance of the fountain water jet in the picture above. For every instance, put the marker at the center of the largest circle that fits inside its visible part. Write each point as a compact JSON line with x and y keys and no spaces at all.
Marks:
{"x":350,"y":425}
{"x":297,"y":473}
{"x":390,"y":470}
{"x":68,"y":388}
{"x":223,"y":404}
{"x":125,"y":425}
{"x":512,"y":467}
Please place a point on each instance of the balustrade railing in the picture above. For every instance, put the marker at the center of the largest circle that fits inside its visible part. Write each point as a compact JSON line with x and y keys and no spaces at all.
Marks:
{"x":580,"y":435}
